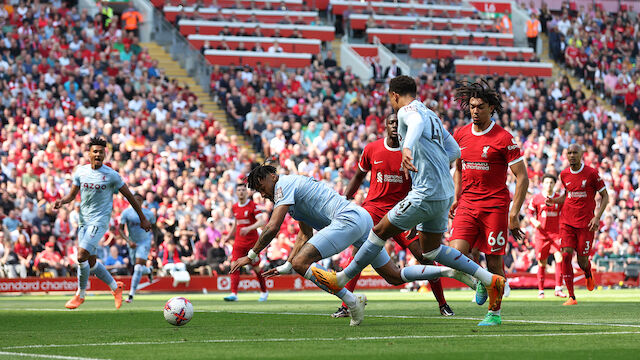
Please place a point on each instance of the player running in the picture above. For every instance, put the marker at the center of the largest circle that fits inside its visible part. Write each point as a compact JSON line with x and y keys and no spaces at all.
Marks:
{"x":481,"y":215}
{"x":248,"y":218}
{"x":577,"y":220}
{"x":340,"y":224}
{"x":96,"y":183}
{"x":139,"y":242}
{"x":546,"y":219}
{"x":388,"y":186}
{"x":427,"y":204}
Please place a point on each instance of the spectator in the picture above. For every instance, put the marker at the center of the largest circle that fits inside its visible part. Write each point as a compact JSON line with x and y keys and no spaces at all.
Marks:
{"x":115,"y":263}
{"x":51,"y":261}
{"x":169,"y":259}
{"x":11,"y":263}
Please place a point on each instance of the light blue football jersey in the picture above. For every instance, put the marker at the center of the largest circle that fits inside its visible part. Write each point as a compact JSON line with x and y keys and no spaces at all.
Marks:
{"x":130,"y":218}
{"x":96,"y":193}
{"x":433,"y":179}
{"x":310,"y":201}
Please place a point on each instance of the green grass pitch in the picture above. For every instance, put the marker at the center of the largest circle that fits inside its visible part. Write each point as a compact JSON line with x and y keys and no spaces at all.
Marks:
{"x":295,"y":325}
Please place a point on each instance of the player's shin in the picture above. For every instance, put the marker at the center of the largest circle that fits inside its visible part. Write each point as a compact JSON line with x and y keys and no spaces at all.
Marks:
{"x":540,"y":277}
{"x":453,"y":258}
{"x":365,"y":255}
{"x":83,"y":278}
{"x":422,"y":272}
{"x":344,"y":294}
{"x":135,"y":279}
{"x":558,"y":276}
{"x":103,"y":274}
{"x":567,"y":273}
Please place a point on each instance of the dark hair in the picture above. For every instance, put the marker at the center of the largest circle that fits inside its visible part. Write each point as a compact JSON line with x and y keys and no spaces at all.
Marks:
{"x":403,"y":85}
{"x":479,"y":90}
{"x":258,"y":174}
{"x":97,"y":141}
{"x":550,"y":176}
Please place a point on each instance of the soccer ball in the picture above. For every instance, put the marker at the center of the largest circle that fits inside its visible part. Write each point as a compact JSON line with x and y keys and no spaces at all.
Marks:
{"x":178,"y":311}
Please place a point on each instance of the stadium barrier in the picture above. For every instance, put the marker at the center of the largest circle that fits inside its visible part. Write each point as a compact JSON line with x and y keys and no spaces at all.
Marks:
{"x":264,"y":16}
{"x":398,"y":36}
{"x":338,"y":7}
{"x":359,"y":22}
{"x":249,"y":283}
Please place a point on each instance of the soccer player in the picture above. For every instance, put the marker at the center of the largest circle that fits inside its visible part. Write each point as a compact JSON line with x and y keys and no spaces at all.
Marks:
{"x":96,"y":183}
{"x":427,"y":204}
{"x":481,"y":215}
{"x":388,"y":186}
{"x":247,"y":220}
{"x":139,"y":242}
{"x":546,"y":219}
{"x":340,"y":224}
{"x":577,"y":220}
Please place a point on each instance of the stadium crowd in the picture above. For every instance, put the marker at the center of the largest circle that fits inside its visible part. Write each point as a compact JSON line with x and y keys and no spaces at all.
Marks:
{"x":67,"y":77}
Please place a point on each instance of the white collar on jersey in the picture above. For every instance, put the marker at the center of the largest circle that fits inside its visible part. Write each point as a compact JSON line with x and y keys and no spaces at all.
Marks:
{"x":245,"y":204}
{"x":577,"y":172}
{"x":390,"y":148}
{"x":480,"y":133}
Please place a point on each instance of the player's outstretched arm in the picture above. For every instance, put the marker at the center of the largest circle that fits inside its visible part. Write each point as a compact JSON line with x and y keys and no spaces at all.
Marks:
{"x":144,"y":223}
{"x":457,"y":183}
{"x":305,"y":233}
{"x":519,"y":169}
{"x":594,"y":224}
{"x":67,"y":199}
{"x":232,"y":232}
{"x":261,"y":221}
{"x":268,"y":233}
{"x":354,"y":184}
{"x":124,"y":235}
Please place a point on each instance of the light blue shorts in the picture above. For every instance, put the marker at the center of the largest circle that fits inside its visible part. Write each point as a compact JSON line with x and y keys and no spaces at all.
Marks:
{"x":89,"y":237}
{"x":142,"y":250}
{"x":351,"y":227}
{"x":427,"y":215}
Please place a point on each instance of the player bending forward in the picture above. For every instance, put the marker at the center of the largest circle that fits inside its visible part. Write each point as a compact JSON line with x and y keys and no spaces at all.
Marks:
{"x":248,"y":219}
{"x":340,"y":224}
{"x":139,"y":242}
{"x":427,"y":205}
{"x":96,"y":183}
{"x":546,"y":219}
{"x":481,"y":215}
{"x":577,"y":220}
{"x":388,"y":186}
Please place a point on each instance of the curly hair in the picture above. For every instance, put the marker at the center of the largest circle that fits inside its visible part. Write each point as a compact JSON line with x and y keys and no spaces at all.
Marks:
{"x":480,"y":90}
{"x":97,"y":141}
{"x":258,"y":174}
{"x":403,"y":85}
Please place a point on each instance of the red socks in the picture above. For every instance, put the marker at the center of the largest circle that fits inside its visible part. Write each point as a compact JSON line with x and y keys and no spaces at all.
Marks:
{"x":436,"y":288}
{"x":541,"y":277}
{"x":567,"y":273}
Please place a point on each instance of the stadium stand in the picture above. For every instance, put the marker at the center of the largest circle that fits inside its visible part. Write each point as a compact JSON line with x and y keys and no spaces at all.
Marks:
{"x":67,"y":76}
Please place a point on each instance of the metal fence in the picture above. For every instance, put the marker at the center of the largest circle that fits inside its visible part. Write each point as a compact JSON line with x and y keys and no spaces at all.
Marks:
{"x":168,"y":36}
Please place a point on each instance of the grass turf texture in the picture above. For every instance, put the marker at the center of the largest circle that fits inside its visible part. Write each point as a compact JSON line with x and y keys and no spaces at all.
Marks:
{"x":604,"y":324}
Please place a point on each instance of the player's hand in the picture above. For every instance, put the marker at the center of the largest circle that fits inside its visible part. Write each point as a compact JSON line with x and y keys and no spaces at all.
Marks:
{"x":514,"y":226}
{"x":549,"y":201}
{"x":594,"y":224}
{"x":238,"y":264}
{"x":244,"y":231}
{"x":452,"y":211}
{"x":271,"y":273}
{"x":407,"y":163}
{"x":57,"y":204}
{"x":132,"y":244}
{"x":145,"y":224}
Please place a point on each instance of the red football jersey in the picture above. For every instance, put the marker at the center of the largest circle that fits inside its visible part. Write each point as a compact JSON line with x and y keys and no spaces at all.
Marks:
{"x":549,"y":216}
{"x":486,"y":156}
{"x":388,"y":184}
{"x":245,"y":216}
{"x":581,"y":187}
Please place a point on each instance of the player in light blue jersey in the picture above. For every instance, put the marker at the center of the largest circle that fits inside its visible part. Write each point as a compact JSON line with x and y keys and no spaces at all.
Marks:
{"x":426,"y":206}
{"x":340,"y":224}
{"x":139,"y":242}
{"x":97,"y":183}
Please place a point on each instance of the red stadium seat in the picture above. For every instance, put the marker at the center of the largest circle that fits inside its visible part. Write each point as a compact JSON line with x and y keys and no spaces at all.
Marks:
{"x":188,"y":27}
{"x":304,"y":46}
{"x":511,"y":68}
{"x":434,"y":51}
{"x":393,"y":36}
{"x":251,"y":58}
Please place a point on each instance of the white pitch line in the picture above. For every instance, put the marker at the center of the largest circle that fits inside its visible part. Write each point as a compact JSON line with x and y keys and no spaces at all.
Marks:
{"x":47,"y":356}
{"x":363,"y":338}
{"x":371,"y":316}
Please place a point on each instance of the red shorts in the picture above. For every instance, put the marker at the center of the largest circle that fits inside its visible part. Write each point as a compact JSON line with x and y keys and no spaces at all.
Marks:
{"x":485,"y":230}
{"x":545,"y":246}
{"x":240,"y":250}
{"x":580,"y":239}
{"x":377,"y":215}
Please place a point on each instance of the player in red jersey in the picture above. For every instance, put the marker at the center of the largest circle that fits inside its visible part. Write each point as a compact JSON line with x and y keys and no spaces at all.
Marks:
{"x":546,"y":219}
{"x":248,"y":220}
{"x":387,"y":187}
{"x":480,"y":212}
{"x":577,"y":220}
